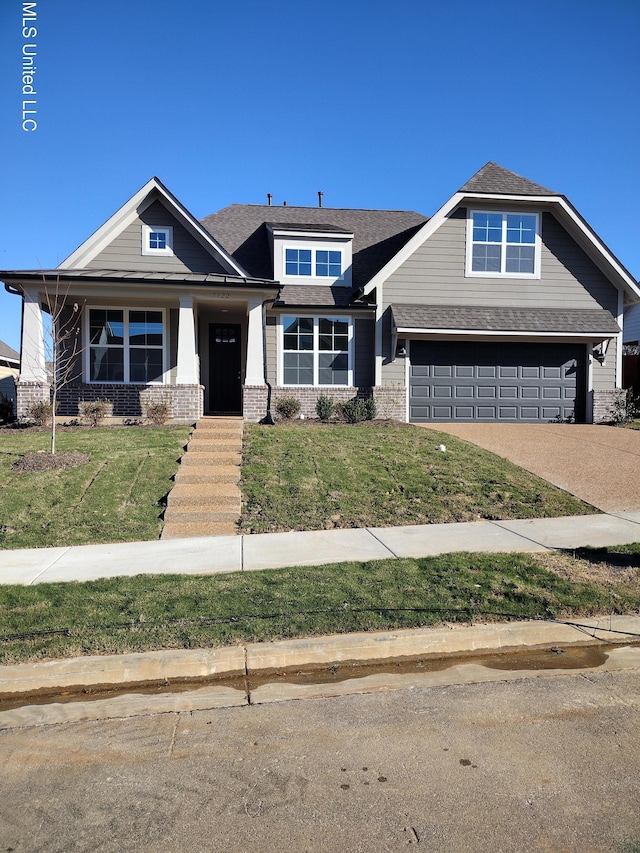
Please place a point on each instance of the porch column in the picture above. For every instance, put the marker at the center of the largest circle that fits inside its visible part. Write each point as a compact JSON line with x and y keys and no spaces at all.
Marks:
{"x":32,"y":365}
{"x":254,"y":374}
{"x":187,"y":373}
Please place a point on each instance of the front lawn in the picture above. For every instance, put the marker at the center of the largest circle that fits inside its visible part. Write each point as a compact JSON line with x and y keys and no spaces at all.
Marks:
{"x":117,"y":496}
{"x":315,"y":477}
{"x":142,"y":613}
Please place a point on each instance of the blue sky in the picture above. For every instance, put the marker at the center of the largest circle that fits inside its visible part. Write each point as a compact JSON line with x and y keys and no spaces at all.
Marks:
{"x":377,"y":104}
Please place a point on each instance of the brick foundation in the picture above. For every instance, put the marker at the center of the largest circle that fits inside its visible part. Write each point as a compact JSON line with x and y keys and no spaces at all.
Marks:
{"x":602,"y":405}
{"x":391,"y":402}
{"x":255,"y":398}
{"x":130,"y":401}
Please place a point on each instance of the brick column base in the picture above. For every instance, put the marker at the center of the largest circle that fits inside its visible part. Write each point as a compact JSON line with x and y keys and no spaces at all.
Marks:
{"x":28,"y":393}
{"x":185,"y":402}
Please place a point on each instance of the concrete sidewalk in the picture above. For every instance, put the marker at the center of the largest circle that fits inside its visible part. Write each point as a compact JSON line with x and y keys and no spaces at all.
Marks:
{"x":217,"y":554}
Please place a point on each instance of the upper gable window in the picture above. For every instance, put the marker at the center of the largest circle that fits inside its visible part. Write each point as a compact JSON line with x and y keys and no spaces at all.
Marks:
{"x":503,"y":244}
{"x":157,"y":240}
{"x":320,"y":263}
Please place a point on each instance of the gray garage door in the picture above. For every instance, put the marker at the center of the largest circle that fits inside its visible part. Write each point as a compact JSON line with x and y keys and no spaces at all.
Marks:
{"x":451,"y":381}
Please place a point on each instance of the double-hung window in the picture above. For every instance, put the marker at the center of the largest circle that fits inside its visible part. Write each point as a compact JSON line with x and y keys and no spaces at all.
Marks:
{"x":126,"y":345}
{"x":316,"y":351}
{"x":504,"y":244}
{"x":318,"y":263}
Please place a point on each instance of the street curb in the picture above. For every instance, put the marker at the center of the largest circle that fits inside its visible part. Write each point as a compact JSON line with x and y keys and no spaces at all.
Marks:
{"x":176,"y":665}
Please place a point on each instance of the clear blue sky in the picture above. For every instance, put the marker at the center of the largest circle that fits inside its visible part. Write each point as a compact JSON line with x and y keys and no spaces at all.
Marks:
{"x":378,"y":104}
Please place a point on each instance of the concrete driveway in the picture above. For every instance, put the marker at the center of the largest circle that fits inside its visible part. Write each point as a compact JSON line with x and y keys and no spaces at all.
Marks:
{"x":599,"y":464}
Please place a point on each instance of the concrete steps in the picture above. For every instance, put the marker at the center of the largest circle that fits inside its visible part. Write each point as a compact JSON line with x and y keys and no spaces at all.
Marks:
{"x":206,"y":499}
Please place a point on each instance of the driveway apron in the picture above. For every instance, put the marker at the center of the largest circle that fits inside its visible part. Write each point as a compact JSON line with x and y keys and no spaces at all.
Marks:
{"x":599,"y":464}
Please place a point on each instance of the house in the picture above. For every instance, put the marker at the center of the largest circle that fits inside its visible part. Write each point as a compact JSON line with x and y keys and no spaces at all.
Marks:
{"x":503,"y":306}
{"x":9,"y":369}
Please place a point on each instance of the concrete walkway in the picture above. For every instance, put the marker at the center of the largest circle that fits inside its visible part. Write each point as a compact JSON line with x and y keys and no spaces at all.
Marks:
{"x":216,"y":554}
{"x":598,"y":464}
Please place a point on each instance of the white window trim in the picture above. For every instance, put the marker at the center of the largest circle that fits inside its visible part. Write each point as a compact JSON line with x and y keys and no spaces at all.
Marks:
{"x":167,"y":230}
{"x":316,"y":350}
{"x":537,"y":255}
{"x":314,"y":249}
{"x":87,"y":345}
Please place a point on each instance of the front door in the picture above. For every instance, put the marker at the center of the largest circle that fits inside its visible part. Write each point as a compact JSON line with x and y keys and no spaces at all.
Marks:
{"x":225,"y":393}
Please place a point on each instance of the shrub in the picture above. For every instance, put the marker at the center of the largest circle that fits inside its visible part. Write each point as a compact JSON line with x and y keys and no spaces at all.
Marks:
{"x":325,"y":407}
{"x":158,"y":413}
{"x":6,"y":409}
{"x":357,"y":410}
{"x":94,"y":411}
{"x":287,"y":407}
{"x":625,"y":407}
{"x":40,"y":413}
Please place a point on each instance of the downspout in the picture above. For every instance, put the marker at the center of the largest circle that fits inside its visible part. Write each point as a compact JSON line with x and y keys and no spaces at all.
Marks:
{"x":267,"y":420}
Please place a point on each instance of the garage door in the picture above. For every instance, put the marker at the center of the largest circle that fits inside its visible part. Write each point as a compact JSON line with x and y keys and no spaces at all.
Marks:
{"x":466,"y":381}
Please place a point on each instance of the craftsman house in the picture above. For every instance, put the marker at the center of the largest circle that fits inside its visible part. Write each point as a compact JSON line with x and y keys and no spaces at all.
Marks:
{"x":503,"y":306}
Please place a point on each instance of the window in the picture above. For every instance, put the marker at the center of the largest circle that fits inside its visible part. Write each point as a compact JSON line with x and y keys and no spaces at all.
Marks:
{"x":321,"y":263}
{"x":157,"y":240}
{"x":503,"y":244}
{"x":316,"y":351}
{"x":126,"y":346}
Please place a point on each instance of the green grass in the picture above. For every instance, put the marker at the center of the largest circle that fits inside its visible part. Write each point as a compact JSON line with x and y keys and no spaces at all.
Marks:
{"x":321,"y":477}
{"x":115,"y":497}
{"x":141,"y":613}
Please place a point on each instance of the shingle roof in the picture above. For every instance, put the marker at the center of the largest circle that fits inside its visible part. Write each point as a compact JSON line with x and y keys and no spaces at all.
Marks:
{"x":495,"y":180}
{"x":7,"y":352}
{"x":308,"y":295}
{"x":378,"y":234}
{"x":90,"y":274}
{"x":596,"y":321}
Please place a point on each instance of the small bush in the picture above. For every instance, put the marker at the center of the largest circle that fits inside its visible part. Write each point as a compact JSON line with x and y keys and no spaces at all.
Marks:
{"x":357,"y":410}
{"x":625,"y":407}
{"x":94,"y":411}
{"x":40,"y":413}
{"x":287,"y":407}
{"x":6,"y":409}
{"x":158,"y":413}
{"x":325,"y":407}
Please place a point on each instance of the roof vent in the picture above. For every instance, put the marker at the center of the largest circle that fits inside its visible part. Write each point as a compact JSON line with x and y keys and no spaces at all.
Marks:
{"x":284,"y":203}
{"x":269,"y":197}
{"x":320,"y":194}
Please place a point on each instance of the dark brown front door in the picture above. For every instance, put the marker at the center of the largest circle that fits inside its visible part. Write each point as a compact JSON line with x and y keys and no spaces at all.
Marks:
{"x":225,"y":393}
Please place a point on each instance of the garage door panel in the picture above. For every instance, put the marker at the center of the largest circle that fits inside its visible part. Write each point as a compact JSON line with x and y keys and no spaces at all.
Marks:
{"x":546,"y":381}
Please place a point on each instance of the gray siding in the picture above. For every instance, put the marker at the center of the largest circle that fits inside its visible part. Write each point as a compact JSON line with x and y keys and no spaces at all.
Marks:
{"x":364,"y":329}
{"x":435,"y":274}
{"x":604,"y":375}
{"x":271,"y":340}
{"x":125,"y":252}
{"x":632,"y":324}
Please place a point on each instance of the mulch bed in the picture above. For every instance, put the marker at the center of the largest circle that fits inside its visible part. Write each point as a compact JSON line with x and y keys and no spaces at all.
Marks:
{"x":44,"y":461}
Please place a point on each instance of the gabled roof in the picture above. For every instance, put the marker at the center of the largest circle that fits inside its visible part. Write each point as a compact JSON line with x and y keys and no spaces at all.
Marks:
{"x":494,"y":179}
{"x":496,"y":183}
{"x":378,"y":234}
{"x":152,"y":191}
{"x":7,"y":353}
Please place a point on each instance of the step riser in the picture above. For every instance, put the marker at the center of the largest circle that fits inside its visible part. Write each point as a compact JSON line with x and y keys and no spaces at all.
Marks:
{"x":211,"y":459}
{"x":188,"y":531}
{"x":213,"y":447}
{"x":197,"y":476}
{"x":220,"y":502}
{"x":185,"y":516}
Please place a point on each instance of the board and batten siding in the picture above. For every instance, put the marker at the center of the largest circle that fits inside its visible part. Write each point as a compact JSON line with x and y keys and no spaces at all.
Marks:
{"x":435,"y":274}
{"x":125,"y":252}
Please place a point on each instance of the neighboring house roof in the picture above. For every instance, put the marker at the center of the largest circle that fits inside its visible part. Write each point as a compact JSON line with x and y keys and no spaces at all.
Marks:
{"x":8,"y":354}
{"x":152,"y":191}
{"x":586,"y":321}
{"x":378,"y":235}
{"x":493,"y":178}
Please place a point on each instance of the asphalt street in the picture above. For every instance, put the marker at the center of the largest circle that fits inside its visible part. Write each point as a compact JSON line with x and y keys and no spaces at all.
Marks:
{"x":535,"y":764}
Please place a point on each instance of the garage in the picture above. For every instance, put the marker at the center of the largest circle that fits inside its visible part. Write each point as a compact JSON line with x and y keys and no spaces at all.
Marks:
{"x":485,"y":381}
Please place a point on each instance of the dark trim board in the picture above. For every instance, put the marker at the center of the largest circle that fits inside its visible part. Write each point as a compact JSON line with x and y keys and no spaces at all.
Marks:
{"x":484,"y":382}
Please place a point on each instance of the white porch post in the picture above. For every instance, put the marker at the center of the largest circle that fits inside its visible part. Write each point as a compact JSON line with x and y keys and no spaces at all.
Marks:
{"x":187,"y":373}
{"x":254,"y":374}
{"x":32,"y":366}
